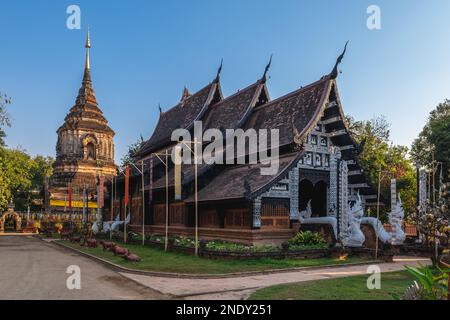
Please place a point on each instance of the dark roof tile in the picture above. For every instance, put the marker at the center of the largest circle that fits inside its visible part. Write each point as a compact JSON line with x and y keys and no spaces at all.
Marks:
{"x":180,"y":116}
{"x":291,"y":114}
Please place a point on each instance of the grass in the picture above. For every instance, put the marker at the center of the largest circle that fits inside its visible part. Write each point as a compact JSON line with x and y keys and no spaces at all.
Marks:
{"x":153,"y":259}
{"x":393,"y":284}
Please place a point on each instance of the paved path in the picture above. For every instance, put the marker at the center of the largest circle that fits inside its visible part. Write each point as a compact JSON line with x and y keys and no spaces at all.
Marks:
{"x":33,"y":269}
{"x":242,"y":287}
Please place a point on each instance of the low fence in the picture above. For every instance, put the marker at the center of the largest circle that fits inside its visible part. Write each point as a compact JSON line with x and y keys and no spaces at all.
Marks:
{"x":410,"y":229}
{"x":283,"y":253}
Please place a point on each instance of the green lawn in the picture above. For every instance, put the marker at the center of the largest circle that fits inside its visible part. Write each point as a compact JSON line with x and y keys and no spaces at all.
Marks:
{"x":157,"y":260}
{"x":393,"y":284}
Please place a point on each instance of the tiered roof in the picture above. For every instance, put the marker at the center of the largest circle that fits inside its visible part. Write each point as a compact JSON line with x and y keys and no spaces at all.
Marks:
{"x":183,"y":115}
{"x":295,"y":115}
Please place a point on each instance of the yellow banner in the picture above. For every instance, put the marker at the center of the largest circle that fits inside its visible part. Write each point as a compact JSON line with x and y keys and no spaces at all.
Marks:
{"x":177,"y":173}
{"x":75,"y":204}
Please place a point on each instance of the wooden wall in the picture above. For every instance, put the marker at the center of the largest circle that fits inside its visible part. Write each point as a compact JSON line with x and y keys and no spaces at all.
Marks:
{"x":275,"y":214}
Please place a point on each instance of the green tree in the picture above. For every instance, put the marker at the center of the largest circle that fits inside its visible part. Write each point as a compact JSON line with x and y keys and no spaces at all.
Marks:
{"x":378,"y":152}
{"x":5,"y":192}
{"x":22,"y":178}
{"x":41,"y":170}
{"x":4,"y":118}
{"x":132,"y":149}
{"x":434,"y":140}
{"x":16,"y":166}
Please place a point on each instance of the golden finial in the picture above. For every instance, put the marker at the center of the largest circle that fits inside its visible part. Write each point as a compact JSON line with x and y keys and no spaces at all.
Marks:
{"x":87,"y":46}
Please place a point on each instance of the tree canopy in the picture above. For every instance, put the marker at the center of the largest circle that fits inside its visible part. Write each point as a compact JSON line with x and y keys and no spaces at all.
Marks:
{"x":434,"y":140}
{"x":379,"y":153}
{"x":21,"y":176}
{"x":132,"y":149}
{"x":4,"y":118}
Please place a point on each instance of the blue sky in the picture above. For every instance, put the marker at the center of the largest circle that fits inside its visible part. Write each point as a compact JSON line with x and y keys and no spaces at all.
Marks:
{"x":144,"y":52}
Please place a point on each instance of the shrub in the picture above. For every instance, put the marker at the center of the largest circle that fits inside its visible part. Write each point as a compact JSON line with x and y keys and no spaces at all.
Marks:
{"x":220,"y":245}
{"x":156,"y":238}
{"x":431,"y":284}
{"x":184,"y":242}
{"x":306,"y":238}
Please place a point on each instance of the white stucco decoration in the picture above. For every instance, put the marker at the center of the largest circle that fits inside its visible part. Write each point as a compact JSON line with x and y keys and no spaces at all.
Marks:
{"x":351,"y":235}
{"x":396,"y":216}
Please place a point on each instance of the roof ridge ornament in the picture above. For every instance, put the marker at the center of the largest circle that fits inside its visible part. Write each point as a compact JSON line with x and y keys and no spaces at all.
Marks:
{"x":334,"y":73}
{"x":264,"y":77}
{"x":186,"y":94}
{"x":159,"y":107}
{"x":217,"y":79}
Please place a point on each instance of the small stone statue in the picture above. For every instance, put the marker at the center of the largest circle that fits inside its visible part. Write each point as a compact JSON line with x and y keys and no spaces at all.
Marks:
{"x":353,"y":236}
{"x":396,"y":220}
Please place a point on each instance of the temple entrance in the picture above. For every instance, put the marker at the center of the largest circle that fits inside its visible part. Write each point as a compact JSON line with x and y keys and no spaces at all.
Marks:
{"x":305,"y":193}
{"x":317,"y":194}
{"x":10,"y":222}
{"x":319,"y":200}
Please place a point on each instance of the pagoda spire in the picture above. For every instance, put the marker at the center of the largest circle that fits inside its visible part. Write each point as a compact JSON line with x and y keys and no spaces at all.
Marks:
{"x":86,"y":92}
{"x":87,"y":46}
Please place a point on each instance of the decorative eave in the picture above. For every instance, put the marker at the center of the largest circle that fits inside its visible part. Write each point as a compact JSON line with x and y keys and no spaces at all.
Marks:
{"x":281,"y":175}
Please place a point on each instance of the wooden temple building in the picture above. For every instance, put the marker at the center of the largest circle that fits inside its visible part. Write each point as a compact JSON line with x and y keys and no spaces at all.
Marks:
{"x":236,"y":202}
{"x":84,"y":150}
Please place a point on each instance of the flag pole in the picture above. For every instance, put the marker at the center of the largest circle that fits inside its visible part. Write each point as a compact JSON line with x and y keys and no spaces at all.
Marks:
{"x":167,"y":202}
{"x":196,"y":197}
{"x":112,"y":208}
{"x":143,"y":203}
{"x":127,"y":181}
{"x":378,"y":213}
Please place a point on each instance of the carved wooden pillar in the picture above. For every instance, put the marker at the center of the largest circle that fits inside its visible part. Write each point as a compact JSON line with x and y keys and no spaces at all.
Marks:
{"x":257,"y":203}
{"x":293,"y":194}
{"x":343,"y":200}
{"x":333,"y":198}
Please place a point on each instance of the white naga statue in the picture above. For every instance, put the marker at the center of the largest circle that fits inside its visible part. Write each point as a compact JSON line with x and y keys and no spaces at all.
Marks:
{"x":117,"y":223}
{"x":396,"y":216}
{"x":397,"y":235}
{"x":382,"y":234}
{"x":305,"y":218}
{"x":109,"y":225}
{"x":351,"y":234}
{"x":306,"y":214}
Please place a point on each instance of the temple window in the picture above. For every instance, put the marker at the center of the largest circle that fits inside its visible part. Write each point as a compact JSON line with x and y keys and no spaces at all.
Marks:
{"x":309,"y":157}
{"x":90,"y":151}
{"x":319,"y":128}
{"x":314,"y":139}
{"x":280,"y":187}
{"x":326,"y":160}
{"x":318,"y":160}
{"x":323,"y":141}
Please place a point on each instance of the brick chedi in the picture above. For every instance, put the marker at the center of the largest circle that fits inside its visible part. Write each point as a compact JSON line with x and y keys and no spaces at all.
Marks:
{"x":85,"y":147}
